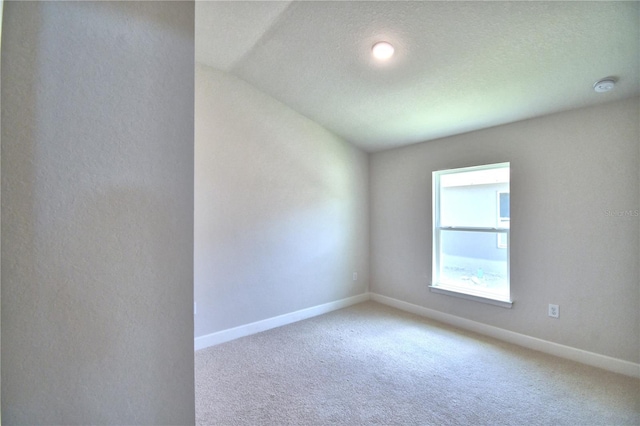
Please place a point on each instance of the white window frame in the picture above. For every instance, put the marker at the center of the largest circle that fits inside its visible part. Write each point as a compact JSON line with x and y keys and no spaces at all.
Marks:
{"x":451,"y":290}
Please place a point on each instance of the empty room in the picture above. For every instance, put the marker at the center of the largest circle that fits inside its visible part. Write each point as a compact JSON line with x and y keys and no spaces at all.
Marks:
{"x":299,"y":212}
{"x":315,"y":190}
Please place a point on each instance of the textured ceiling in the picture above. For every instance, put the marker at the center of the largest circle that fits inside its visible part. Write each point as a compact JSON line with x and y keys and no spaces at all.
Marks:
{"x":458,"y":67}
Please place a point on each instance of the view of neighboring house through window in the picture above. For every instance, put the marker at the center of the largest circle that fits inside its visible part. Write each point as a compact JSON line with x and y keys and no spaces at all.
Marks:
{"x":471,"y":217}
{"x":503,"y":217}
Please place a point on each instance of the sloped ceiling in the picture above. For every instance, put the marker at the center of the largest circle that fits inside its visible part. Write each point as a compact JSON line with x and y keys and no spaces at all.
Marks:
{"x":458,"y":67}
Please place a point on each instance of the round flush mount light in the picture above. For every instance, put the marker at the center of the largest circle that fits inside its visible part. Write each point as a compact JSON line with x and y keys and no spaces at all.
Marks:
{"x":382,"y":50}
{"x":604,"y":85}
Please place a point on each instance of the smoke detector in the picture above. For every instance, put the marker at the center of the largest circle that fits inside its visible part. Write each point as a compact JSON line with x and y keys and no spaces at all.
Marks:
{"x":604,"y":85}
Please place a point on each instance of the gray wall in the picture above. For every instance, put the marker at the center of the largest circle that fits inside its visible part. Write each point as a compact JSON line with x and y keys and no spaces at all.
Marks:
{"x":281,"y":208}
{"x":1,"y":12}
{"x":97,"y":213}
{"x":571,"y":174}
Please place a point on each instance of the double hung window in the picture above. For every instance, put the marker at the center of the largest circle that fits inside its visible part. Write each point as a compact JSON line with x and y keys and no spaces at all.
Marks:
{"x":471,"y":223}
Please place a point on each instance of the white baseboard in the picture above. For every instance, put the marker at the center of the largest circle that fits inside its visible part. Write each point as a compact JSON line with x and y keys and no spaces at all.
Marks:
{"x":269,"y":323}
{"x":590,"y":358}
{"x":585,"y":357}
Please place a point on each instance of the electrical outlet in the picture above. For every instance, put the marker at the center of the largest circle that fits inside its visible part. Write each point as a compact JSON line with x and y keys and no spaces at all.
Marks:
{"x":355,"y":276}
{"x":554,"y":311}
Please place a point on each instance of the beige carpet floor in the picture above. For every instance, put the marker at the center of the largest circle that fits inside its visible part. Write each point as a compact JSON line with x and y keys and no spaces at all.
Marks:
{"x":374,"y":365}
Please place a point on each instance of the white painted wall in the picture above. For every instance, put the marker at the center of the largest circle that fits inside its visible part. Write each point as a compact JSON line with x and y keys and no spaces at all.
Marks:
{"x":97,"y":213}
{"x":281,"y":208}
{"x":569,"y":173}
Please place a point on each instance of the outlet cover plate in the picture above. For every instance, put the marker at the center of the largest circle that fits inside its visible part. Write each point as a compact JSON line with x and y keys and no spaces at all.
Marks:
{"x":554,"y":311}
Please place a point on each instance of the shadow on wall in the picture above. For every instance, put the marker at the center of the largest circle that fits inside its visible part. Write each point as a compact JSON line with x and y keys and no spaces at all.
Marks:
{"x":98,"y":313}
{"x":92,"y":283}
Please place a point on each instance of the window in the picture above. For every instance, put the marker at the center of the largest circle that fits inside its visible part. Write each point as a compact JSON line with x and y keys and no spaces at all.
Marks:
{"x":503,"y":217}
{"x":471,"y":221}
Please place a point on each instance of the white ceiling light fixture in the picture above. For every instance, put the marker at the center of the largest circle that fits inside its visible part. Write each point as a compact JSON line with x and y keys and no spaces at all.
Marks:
{"x":604,"y":85}
{"x":382,"y":50}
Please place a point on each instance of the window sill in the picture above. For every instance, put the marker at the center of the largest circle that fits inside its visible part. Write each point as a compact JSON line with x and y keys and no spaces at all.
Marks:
{"x":469,"y":296}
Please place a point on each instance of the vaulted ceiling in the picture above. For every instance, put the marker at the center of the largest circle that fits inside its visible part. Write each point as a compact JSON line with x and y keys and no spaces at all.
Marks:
{"x":457,"y":67}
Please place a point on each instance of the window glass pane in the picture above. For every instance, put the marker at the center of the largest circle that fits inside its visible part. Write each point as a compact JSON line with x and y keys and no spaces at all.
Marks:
{"x":469,"y":198}
{"x":505,"y":213}
{"x":474,"y":261}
